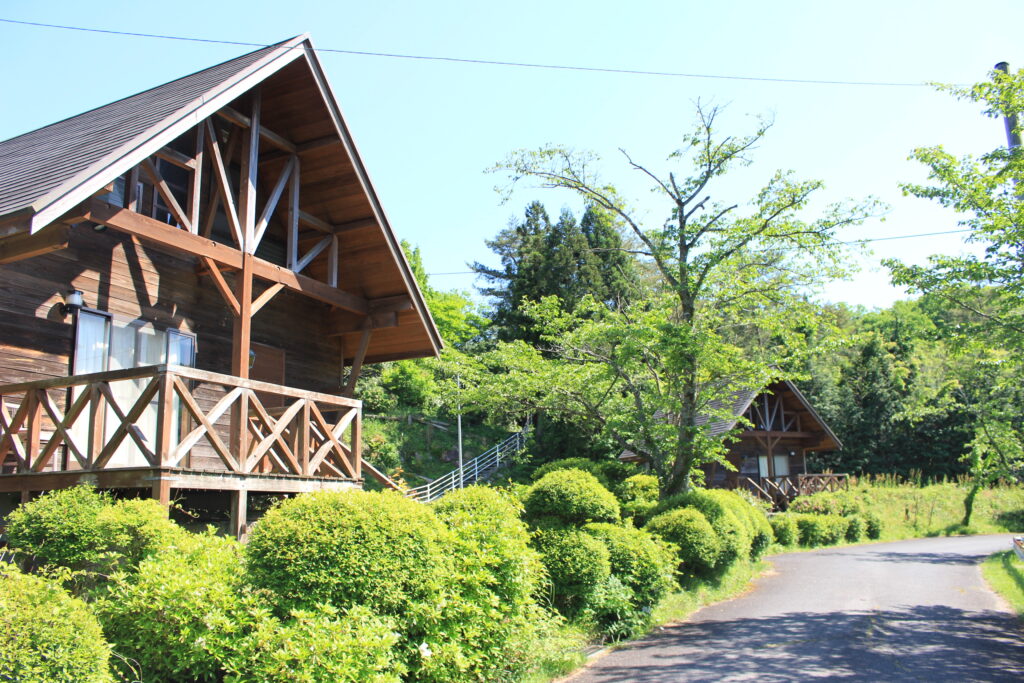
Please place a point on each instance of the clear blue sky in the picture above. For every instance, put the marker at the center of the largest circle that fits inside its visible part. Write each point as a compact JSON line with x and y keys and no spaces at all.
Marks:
{"x":427,"y":130}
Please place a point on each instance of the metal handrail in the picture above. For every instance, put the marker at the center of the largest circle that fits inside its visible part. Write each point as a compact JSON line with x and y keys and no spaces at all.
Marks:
{"x":478,"y":469}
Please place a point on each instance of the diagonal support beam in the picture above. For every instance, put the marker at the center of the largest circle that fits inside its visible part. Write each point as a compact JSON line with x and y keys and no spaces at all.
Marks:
{"x":165,"y":193}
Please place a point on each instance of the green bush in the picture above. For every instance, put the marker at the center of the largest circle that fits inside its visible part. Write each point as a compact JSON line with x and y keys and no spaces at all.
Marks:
{"x":872,"y":525}
{"x":571,"y":497}
{"x":86,"y":531}
{"x":638,"y":495}
{"x":181,"y":615}
{"x":381,"y":453}
{"x":855,"y":528}
{"x":576,"y":565}
{"x":734,"y":538}
{"x":842,"y":503}
{"x":785,"y":528}
{"x":687,"y":529}
{"x":612,"y":613}
{"x":758,"y":530}
{"x":493,"y":543}
{"x":319,"y":646}
{"x":60,"y":528}
{"x":817,"y":530}
{"x":585,"y":464}
{"x":46,"y":635}
{"x":642,"y":563}
{"x":346,"y":548}
{"x":411,"y":382}
{"x":486,"y":620}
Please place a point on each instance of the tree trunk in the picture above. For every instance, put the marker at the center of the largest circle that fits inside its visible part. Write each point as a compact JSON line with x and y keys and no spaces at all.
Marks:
{"x":969,"y":502}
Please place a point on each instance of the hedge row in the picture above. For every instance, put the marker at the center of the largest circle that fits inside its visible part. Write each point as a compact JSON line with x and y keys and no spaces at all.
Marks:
{"x":333,"y":586}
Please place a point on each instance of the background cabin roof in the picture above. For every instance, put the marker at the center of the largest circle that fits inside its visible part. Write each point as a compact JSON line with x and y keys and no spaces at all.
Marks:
{"x":46,"y":173}
{"x":736,"y":405}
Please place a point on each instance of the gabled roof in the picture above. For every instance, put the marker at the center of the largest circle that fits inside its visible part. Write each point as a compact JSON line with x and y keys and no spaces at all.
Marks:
{"x":737,"y":404}
{"x":42,"y":166}
{"x":47,"y":172}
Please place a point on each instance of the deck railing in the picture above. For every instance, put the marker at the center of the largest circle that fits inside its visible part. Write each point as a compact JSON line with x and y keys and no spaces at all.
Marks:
{"x":782,"y":489}
{"x":246,"y":426}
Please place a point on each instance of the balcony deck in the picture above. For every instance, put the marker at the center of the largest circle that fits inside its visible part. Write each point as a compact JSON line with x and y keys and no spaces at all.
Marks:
{"x":167,"y":427}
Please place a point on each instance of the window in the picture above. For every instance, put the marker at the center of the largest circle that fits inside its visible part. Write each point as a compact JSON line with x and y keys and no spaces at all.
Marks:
{"x":102,"y":343}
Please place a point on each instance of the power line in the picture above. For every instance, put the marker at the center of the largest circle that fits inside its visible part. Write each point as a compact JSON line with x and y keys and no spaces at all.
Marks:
{"x":863,"y":241}
{"x":484,"y":62}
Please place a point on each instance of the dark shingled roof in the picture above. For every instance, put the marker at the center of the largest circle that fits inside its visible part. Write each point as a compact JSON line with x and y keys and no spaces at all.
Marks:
{"x":34,"y":164}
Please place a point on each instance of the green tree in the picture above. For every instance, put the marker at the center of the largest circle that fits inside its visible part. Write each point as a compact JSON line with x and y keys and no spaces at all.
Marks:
{"x":988,"y":287}
{"x":566,"y":258}
{"x":649,"y":373}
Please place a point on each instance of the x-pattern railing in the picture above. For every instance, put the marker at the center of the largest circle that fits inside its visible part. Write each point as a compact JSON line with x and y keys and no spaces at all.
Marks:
{"x":310,"y":434}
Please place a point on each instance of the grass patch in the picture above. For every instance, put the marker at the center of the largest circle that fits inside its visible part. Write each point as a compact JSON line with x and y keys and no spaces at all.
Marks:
{"x":911,"y":511}
{"x":735,"y":581}
{"x":1004,"y":572}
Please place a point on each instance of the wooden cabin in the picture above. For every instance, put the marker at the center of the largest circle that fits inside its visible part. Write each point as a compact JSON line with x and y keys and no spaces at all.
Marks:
{"x":191,"y":279}
{"x":769,"y":457}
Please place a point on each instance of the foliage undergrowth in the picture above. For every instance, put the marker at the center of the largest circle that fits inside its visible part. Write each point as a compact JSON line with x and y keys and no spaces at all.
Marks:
{"x":1004,"y":572}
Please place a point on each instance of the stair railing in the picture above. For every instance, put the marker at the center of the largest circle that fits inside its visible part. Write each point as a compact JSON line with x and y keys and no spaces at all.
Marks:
{"x":480,"y":468}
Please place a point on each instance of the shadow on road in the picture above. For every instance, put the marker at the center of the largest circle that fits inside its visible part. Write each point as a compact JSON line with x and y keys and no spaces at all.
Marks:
{"x":925,"y":558}
{"x":921,"y":643}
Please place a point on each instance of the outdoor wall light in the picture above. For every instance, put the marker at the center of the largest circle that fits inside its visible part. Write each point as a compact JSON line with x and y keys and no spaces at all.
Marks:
{"x":72,"y":302}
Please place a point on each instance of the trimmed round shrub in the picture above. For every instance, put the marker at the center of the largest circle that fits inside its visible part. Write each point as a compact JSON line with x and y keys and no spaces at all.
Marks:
{"x":638,"y":495}
{"x":817,"y":530}
{"x":345,"y":548}
{"x":842,"y":503}
{"x":87,"y":531}
{"x":855,"y":528}
{"x":576,"y":564}
{"x":734,"y":539}
{"x":46,"y":635}
{"x":321,"y":645}
{"x":785,"y":528}
{"x":688,"y":530}
{"x":572,"y":497}
{"x":585,"y":464}
{"x":493,"y":539}
{"x":181,"y":614}
{"x":642,"y":563}
{"x":487,"y":619}
{"x":758,"y":529}
{"x":60,"y":527}
{"x":872,"y":525}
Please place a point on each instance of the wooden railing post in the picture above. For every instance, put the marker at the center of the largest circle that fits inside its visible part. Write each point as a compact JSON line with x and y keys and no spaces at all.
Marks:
{"x":164,"y":419}
{"x":33,"y":426}
{"x":357,"y":441}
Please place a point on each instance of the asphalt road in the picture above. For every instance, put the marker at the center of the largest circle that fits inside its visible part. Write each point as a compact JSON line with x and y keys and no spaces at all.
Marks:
{"x":910,"y":610}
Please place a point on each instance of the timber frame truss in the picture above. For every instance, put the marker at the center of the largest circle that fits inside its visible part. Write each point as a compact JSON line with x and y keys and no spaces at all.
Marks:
{"x":218,"y":141}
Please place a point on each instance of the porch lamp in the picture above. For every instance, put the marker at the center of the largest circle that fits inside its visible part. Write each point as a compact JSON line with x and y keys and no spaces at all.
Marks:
{"x":72,"y":302}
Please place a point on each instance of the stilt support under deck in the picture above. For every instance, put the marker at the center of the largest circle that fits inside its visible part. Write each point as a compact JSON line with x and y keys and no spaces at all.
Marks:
{"x":239,"y":513}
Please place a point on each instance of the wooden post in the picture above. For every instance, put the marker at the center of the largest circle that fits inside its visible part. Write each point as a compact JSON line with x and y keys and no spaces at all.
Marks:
{"x":357,"y":441}
{"x":164,"y":421}
{"x":247,"y":178}
{"x":241,"y":348}
{"x":33,"y":424}
{"x":239,"y":513}
{"x":162,"y":491}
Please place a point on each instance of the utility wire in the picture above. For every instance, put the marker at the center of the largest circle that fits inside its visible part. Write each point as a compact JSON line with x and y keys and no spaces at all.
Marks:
{"x":863,"y":241}
{"x":485,"y":62}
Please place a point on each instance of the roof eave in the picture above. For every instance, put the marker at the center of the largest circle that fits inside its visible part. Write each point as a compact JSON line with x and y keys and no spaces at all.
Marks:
{"x":363,"y":176}
{"x":61,"y":199}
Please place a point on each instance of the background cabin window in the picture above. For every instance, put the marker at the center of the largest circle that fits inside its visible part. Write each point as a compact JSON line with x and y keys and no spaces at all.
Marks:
{"x":106,"y":343}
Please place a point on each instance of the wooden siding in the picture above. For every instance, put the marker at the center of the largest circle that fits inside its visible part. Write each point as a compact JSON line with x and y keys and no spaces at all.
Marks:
{"x":133,"y":281}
